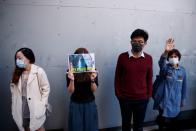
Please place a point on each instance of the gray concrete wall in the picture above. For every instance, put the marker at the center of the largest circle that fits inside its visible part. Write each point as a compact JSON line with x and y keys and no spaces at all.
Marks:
{"x":55,"y":28}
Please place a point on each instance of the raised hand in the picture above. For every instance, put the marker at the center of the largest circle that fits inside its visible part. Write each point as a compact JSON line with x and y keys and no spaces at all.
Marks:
{"x":169,"y":44}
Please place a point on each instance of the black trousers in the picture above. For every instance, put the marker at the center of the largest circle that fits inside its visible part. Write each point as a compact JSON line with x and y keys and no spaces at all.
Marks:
{"x":166,"y":123}
{"x":135,"y":108}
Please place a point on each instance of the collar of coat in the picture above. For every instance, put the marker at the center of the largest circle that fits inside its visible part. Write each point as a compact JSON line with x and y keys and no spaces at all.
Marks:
{"x":33,"y":74}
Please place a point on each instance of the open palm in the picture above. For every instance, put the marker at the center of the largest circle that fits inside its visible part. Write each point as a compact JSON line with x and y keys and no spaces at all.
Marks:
{"x":169,"y":44}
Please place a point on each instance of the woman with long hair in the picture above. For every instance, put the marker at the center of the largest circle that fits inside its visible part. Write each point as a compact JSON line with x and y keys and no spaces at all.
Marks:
{"x":82,"y":109}
{"x":30,"y":90}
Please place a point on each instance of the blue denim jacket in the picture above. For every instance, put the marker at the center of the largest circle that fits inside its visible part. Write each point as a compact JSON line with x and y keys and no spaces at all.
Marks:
{"x":175,"y":88}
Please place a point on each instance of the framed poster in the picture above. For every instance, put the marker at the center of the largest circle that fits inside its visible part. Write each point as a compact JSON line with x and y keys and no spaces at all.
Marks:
{"x":79,"y":63}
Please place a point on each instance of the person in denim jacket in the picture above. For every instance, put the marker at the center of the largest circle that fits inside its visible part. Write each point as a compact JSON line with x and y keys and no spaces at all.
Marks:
{"x":175,"y":86}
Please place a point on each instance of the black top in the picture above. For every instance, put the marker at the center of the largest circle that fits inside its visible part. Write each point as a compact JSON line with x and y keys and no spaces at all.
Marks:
{"x":82,"y":92}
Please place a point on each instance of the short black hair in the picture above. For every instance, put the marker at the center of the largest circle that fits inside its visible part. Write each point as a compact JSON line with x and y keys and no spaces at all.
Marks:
{"x":174,"y":51}
{"x":28,"y":53}
{"x":140,"y":33}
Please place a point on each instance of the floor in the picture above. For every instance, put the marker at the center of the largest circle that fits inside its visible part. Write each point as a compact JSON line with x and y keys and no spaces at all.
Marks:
{"x":155,"y":128}
{"x":149,"y":128}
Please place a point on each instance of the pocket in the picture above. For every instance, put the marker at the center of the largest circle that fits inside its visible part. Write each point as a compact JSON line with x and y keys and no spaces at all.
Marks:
{"x":13,"y":106}
{"x":169,"y":77}
{"x":179,"y":83}
{"x":179,"y":80}
{"x":40,"y":109}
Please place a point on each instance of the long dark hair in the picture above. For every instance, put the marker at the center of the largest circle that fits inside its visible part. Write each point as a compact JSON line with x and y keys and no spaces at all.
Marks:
{"x":82,"y":77}
{"x":28,"y":53}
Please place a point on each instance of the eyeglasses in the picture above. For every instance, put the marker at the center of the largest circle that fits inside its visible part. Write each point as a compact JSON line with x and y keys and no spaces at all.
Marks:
{"x":139,"y":42}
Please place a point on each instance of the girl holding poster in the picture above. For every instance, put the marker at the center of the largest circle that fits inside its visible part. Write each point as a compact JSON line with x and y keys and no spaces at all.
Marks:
{"x":83,"y":114}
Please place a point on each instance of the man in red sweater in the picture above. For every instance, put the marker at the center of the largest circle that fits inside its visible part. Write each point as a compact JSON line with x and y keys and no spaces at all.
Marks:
{"x":133,"y":81}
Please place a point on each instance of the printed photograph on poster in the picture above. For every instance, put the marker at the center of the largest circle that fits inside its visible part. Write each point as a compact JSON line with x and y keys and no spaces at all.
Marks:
{"x":79,"y":63}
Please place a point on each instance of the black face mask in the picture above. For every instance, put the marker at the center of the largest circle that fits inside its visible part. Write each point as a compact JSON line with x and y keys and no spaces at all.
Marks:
{"x":137,"y":47}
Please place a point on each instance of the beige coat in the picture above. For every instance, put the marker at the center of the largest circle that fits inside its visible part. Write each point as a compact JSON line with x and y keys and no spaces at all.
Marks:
{"x":38,"y":89}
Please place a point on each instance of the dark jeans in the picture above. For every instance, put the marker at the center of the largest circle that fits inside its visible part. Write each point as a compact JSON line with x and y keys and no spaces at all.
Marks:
{"x":166,"y":123}
{"x":137,"y":108}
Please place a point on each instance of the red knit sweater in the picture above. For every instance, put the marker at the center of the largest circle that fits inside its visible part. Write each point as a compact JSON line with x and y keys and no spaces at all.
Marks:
{"x":133,"y":77}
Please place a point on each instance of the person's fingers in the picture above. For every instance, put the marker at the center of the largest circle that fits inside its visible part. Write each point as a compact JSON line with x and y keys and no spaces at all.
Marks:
{"x":172,"y":41}
{"x":70,"y":74}
{"x":71,"y":67}
{"x":93,"y":75}
{"x":169,"y":40}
